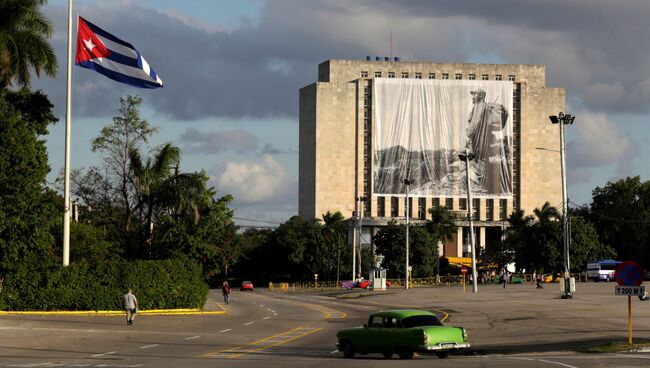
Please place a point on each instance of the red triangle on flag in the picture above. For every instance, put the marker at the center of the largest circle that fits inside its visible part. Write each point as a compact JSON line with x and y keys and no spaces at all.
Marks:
{"x":89,"y":46}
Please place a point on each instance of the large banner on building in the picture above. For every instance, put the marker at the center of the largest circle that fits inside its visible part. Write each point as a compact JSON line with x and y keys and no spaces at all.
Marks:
{"x":420,"y":127}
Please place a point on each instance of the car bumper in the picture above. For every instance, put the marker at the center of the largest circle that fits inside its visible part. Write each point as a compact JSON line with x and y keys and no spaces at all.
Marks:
{"x":444,"y":346}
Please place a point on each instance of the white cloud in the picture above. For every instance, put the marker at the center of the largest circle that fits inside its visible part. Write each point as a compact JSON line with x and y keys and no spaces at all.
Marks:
{"x":598,"y":141}
{"x":261,"y":181}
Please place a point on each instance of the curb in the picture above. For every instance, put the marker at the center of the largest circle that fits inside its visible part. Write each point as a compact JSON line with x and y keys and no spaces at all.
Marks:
{"x":151,"y":312}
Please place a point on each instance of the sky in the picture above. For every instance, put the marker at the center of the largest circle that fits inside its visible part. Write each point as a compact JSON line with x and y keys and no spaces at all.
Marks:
{"x":232,"y":70}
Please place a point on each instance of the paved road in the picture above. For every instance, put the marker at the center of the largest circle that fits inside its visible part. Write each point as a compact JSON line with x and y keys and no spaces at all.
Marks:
{"x":516,"y":327}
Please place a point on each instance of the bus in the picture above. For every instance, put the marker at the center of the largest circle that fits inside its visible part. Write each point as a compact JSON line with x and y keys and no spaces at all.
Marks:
{"x":602,"y":270}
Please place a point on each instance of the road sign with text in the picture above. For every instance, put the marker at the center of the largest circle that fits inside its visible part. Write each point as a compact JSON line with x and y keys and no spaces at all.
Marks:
{"x":630,"y":290}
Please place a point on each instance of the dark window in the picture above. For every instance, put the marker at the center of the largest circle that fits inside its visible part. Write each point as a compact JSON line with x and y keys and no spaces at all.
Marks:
{"x":462,"y":203}
{"x":393,"y":206}
{"x":459,"y":76}
{"x":498,"y":77}
{"x":432,"y":75}
{"x":418,"y":75}
{"x":422,"y":208}
{"x":364,"y":74}
{"x":445,"y":75}
{"x":449,"y":203}
{"x":489,"y":208}
{"x":476,"y":208}
{"x":417,"y":321}
{"x":391,"y":75}
{"x":377,"y":74}
{"x":472,"y":76}
{"x":410,"y":207}
{"x":511,"y":78}
{"x":405,"y":74}
{"x":436,"y":202}
{"x":503,"y":209}
{"x":485,"y":77}
{"x":381,"y":207}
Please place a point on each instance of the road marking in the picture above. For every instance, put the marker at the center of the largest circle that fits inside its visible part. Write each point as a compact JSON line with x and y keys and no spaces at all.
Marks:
{"x":98,"y":355}
{"x":262,"y":344}
{"x":544,"y":361}
{"x":328,"y":312}
{"x":148,"y":346}
{"x":193,"y":337}
{"x":335,"y":351}
{"x":633,"y":356}
{"x":226,"y":330}
{"x":267,"y":317}
{"x":249,"y":323}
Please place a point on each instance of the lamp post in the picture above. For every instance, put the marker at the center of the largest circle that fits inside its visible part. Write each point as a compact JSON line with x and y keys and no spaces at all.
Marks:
{"x":563,"y":119}
{"x":467,"y":157}
{"x":361,"y":200}
{"x":407,"y":182}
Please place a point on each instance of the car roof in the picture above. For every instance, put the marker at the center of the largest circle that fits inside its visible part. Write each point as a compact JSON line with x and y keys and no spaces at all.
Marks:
{"x":403,"y":313}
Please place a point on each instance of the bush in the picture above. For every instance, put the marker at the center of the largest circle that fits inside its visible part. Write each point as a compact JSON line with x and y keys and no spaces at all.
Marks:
{"x":157,"y":284}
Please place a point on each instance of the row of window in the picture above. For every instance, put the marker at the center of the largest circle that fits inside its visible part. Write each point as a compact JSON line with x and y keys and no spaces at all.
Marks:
{"x":423,"y":208}
{"x":458,"y":76}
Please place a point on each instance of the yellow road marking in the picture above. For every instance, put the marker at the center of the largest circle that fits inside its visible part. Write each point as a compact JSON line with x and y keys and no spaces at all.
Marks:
{"x":326,"y":311}
{"x":235,"y":352}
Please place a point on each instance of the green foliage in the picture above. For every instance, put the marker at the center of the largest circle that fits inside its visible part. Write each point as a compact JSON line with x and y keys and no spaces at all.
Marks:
{"x":23,"y":42}
{"x":157,"y":284}
{"x":391,"y":243}
{"x":27,"y":211}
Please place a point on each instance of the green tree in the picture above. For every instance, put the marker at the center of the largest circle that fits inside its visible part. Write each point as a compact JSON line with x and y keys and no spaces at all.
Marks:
{"x":28,"y":211}
{"x":442,"y":228}
{"x":24,"y":34}
{"x":334,"y":234}
{"x":585,"y":244}
{"x":390,"y":241}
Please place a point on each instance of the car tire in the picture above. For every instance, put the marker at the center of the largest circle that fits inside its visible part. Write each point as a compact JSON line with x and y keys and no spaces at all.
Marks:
{"x":405,"y":354}
{"x":442,"y":354}
{"x":387,"y":355}
{"x":347,"y":349}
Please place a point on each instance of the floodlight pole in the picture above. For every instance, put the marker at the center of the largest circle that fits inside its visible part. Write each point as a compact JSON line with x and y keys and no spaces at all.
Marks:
{"x":564,"y":119}
{"x":467,"y":157}
{"x":407,"y":182}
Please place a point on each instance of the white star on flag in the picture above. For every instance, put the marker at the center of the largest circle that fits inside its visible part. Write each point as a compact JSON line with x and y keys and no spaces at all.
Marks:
{"x":89,"y":44}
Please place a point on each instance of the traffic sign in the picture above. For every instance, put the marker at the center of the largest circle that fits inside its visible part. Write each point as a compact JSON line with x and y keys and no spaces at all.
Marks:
{"x":463,"y":270}
{"x":629,"y":273}
{"x":630,"y":290}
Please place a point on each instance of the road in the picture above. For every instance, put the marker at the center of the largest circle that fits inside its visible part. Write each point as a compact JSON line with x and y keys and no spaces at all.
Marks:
{"x":515,"y":327}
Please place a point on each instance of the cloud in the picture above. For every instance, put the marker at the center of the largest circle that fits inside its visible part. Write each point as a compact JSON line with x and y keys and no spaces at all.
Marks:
{"x":239,"y":141}
{"x":269,"y":149}
{"x":598,"y":141}
{"x":255,"y":182}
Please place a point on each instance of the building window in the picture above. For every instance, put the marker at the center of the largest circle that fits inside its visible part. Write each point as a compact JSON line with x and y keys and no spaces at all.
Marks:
{"x":484,"y":77}
{"x":422,"y":208}
{"x":459,"y":76}
{"x":418,"y":75}
{"x":394,"y":201}
{"x":410,"y":214}
{"x":476,"y":208}
{"x":489,"y":208}
{"x":462,"y":204}
{"x":405,"y":74}
{"x":449,"y":203}
{"x":381,"y":206}
{"x":511,"y":78}
{"x":436,"y":202}
{"x":503,"y":209}
{"x":472,"y":77}
{"x":445,"y":75}
{"x":391,"y":75}
{"x":377,"y":74}
{"x":364,"y":74}
{"x":498,"y":77}
{"x":432,"y":75}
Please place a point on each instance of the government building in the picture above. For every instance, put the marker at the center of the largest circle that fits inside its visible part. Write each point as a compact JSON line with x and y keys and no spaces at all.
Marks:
{"x":372,"y":129}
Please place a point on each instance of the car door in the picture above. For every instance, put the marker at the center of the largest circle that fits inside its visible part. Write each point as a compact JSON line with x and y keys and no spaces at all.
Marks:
{"x":368,"y":341}
{"x":389,"y":334}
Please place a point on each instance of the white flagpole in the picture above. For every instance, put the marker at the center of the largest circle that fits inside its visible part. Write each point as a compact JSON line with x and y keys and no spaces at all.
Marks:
{"x":68,"y":122}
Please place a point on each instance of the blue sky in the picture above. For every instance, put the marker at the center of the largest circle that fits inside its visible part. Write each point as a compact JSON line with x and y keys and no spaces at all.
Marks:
{"x":232,"y":71}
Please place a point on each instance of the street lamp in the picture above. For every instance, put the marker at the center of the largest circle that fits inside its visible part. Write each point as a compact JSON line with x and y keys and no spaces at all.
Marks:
{"x":361,"y":200}
{"x":564,"y":119}
{"x":407,"y":182}
{"x":467,"y":157}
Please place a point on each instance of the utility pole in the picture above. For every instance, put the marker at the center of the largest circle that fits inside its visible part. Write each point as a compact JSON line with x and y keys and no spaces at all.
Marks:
{"x":467,"y":157}
{"x":407,"y":182}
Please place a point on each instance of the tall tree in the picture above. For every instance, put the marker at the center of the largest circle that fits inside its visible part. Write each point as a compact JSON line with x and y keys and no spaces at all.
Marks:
{"x":24,"y":34}
{"x":334,"y":233}
{"x":442,"y":227}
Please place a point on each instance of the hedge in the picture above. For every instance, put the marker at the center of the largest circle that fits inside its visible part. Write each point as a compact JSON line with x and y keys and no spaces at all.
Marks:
{"x":163,"y":284}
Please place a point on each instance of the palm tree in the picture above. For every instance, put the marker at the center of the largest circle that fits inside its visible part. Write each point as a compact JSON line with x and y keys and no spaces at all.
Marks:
{"x":546,"y":213}
{"x":161,"y":189}
{"x":333,"y":232}
{"x":23,"y":42}
{"x":442,"y":226}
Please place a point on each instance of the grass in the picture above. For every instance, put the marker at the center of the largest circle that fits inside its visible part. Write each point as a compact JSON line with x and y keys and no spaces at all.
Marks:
{"x":620,"y":346}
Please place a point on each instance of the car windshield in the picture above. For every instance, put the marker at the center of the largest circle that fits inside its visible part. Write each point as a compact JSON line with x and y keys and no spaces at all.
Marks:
{"x":417,"y":321}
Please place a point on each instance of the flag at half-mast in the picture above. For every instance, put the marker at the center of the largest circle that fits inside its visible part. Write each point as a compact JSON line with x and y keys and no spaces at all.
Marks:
{"x":113,"y":57}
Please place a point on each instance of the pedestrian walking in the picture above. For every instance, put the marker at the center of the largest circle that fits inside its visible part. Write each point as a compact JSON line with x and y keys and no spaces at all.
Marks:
{"x":225,"y":290}
{"x":130,"y":303}
{"x":505,"y":278}
{"x":538,"y":281}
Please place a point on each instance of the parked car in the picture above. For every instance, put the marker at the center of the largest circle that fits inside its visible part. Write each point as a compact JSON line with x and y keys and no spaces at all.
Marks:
{"x":246,"y":285}
{"x":403,"y":332}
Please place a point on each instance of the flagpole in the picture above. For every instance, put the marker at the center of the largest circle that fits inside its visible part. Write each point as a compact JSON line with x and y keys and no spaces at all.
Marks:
{"x":68,"y":122}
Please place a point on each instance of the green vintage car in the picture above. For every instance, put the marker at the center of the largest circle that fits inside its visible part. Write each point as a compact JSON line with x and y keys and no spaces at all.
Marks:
{"x":402,"y":332}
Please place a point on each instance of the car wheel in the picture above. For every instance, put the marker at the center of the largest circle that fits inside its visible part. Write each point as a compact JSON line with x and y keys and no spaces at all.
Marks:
{"x":347,"y":349}
{"x":405,"y":354}
{"x":442,"y":354}
{"x":387,"y":355}
{"x":347,"y":288}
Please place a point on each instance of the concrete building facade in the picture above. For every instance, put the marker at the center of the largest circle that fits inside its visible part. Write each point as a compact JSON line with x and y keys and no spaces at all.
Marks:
{"x":335,"y":149}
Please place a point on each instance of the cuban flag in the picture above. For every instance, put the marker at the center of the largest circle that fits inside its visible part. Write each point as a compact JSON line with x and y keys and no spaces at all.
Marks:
{"x":116,"y":59}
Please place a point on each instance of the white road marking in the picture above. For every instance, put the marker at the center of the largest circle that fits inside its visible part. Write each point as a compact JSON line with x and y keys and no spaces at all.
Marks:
{"x":545,"y":361}
{"x":634,"y":356}
{"x":148,"y":346}
{"x":249,"y":323}
{"x":226,"y":330}
{"x":193,"y":337}
{"x":267,"y":317}
{"x":98,"y":355}
{"x":335,"y":351}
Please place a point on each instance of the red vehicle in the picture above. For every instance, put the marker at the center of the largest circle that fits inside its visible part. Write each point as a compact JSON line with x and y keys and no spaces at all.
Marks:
{"x":246,"y":285}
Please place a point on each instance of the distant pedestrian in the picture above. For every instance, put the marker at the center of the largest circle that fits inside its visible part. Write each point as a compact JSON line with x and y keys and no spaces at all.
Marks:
{"x":225,"y":290}
{"x":130,"y":303}
{"x":538,"y":280}
{"x":505,"y":278}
